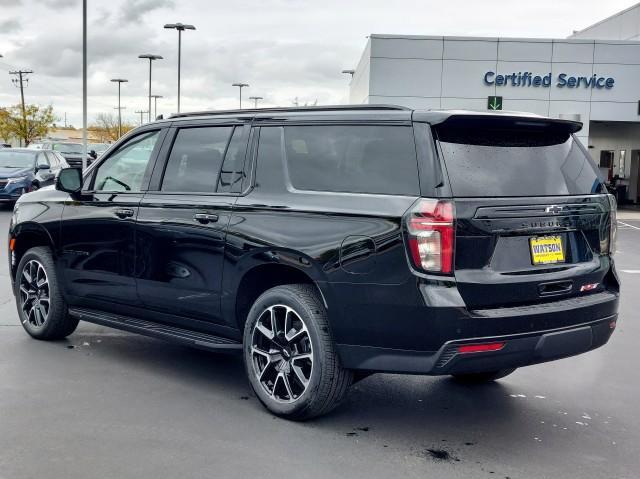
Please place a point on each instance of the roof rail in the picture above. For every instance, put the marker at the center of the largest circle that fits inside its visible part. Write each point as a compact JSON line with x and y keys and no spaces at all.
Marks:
{"x":293,"y":109}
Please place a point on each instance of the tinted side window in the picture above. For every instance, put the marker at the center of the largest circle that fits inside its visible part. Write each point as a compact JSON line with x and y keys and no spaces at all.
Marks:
{"x":125,"y":169}
{"x":195,"y":159}
{"x":356,"y":159}
{"x":232,"y":174}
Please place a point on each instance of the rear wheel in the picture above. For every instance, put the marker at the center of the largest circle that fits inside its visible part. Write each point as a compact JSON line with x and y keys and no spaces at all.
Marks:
{"x":290,"y":356}
{"x":485,"y":377}
{"x":41,"y":308}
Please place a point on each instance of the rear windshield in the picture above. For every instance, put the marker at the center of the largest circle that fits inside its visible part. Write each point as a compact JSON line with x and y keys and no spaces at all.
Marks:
{"x":536,"y":159}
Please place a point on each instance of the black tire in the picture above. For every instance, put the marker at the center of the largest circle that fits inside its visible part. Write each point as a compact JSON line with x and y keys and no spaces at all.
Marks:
{"x":485,"y":377}
{"x":327,"y":383}
{"x":57,"y":323}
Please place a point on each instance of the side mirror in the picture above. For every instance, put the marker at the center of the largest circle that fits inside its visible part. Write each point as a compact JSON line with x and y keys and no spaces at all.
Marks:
{"x":69,"y":180}
{"x":93,"y":154}
{"x":43,"y":166}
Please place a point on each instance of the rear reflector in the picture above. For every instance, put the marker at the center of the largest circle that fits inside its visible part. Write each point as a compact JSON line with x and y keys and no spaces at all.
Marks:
{"x":12,"y":244}
{"x":480,"y":348}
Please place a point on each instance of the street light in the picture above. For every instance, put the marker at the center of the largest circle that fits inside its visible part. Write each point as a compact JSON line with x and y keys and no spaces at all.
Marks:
{"x":150,"y":57}
{"x":119,"y":81}
{"x":349,"y":72}
{"x":155,"y":104}
{"x":181,"y":28}
{"x":255,"y":100}
{"x":240,"y":86}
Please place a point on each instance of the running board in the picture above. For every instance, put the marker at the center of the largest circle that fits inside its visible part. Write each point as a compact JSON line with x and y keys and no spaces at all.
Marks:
{"x":156,"y":330}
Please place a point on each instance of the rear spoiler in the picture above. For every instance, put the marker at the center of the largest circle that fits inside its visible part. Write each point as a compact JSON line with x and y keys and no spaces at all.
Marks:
{"x":482,"y":119}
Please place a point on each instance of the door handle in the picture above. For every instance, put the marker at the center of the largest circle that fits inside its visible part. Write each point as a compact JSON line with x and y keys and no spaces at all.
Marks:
{"x":205,"y":218}
{"x":124,"y":213}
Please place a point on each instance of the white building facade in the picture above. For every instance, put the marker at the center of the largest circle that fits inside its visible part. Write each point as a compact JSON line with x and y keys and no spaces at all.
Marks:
{"x":594,"y":81}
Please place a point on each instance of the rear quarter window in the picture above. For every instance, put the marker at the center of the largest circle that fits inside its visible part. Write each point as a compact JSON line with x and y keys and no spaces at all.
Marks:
{"x":515,"y":160}
{"x":374,"y":159}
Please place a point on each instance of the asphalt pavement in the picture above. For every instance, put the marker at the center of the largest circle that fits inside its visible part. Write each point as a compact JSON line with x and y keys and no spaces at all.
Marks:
{"x":108,"y":404}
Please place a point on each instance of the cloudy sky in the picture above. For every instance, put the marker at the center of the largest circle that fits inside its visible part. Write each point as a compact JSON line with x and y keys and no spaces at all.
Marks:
{"x":285,"y":49}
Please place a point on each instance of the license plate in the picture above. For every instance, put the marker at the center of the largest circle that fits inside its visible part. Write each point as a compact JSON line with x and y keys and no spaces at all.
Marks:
{"x":547,"y":250}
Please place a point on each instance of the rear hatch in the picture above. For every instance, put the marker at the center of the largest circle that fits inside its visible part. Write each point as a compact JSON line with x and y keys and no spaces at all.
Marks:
{"x":531,"y":211}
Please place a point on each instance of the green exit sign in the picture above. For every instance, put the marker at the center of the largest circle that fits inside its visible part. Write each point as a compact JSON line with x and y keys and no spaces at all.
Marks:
{"x":494,"y":103}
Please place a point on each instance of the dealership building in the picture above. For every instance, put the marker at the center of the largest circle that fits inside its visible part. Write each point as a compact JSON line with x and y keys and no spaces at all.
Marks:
{"x":593,"y":77}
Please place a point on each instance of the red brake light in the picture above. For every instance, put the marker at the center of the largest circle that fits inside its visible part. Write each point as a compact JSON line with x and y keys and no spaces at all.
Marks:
{"x":430,"y":224}
{"x":480,"y":348}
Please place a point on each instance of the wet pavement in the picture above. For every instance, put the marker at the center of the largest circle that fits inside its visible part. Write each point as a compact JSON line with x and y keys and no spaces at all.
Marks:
{"x":104,"y":403}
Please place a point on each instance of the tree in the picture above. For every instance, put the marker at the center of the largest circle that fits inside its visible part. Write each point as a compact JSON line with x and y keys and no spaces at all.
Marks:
{"x":36,"y":123}
{"x":106,"y":127}
{"x":5,"y":126}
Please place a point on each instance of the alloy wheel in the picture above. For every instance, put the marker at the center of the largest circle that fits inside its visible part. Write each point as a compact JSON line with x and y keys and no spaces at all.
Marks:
{"x":281,"y":353}
{"x":34,"y":294}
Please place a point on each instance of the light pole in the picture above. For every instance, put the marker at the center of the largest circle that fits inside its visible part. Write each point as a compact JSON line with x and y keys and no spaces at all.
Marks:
{"x":150,"y":57}
{"x":255,"y":100}
{"x":240,"y":86}
{"x":119,"y":81}
{"x":155,"y":104}
{"x":349,"y":72}
{"x":181,"y":28}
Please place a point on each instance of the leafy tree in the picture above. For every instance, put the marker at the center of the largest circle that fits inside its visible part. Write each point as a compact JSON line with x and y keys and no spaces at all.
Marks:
{"x":106,"y":127}
{"x":6,"y":133}
{"x":36,"y":122}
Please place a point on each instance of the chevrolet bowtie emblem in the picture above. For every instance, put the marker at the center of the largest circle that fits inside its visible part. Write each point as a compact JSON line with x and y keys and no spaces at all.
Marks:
{"x":554,"y":209}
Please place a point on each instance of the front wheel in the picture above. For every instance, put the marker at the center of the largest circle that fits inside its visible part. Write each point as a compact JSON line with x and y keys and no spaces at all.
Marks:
{"x":485,"y":377}
{"x":289,"y":355}
{"x":41,"y":308}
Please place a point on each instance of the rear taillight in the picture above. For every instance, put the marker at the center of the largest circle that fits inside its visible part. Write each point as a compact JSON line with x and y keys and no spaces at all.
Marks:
{"x":431,"y":235}
{"x":613,"y":225}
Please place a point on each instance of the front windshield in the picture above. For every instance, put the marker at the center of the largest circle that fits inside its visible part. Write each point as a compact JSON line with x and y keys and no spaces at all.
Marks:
{"x":68,"y":147}
{"x":17,"y":159}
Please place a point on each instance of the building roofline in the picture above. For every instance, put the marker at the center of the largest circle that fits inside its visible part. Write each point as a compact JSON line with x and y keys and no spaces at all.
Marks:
{"x":500,"y":39}
{"x":621,"y":12}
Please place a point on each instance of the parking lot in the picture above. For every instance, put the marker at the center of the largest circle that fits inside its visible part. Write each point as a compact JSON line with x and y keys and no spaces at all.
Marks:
{"x":105,"y":403}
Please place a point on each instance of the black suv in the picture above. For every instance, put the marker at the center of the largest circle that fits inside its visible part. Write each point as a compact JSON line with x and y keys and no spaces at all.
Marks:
{"x":325,"y":244}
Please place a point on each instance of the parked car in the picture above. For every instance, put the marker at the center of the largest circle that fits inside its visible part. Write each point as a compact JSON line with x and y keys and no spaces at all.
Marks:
{"x":99,"y":148}
{"x":72,"y":152}
{"x":325,"y":244}
{"x":23,"y":170}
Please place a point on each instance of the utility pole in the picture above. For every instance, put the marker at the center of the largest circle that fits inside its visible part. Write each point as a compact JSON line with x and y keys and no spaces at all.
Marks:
{"x":255,"y":100}
{"x":141,"y":112}
{"x":155,"y":105}
{"x":119,"y":81}
{"x":181,"y":28}
{"x":20,"y":83}
{"x":65,"y":119}
{"x":240,"y":86}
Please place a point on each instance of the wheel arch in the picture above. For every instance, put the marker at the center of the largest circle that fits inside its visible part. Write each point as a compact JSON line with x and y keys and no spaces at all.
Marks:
{"x":27,"y":236}
{"x":261,"y":277}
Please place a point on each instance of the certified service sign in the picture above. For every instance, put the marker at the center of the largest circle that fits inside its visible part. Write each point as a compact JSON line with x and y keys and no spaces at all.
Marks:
{"x":563,"y":80}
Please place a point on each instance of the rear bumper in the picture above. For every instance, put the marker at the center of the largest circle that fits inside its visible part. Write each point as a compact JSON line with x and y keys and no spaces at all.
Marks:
{"x":518,"y":350}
